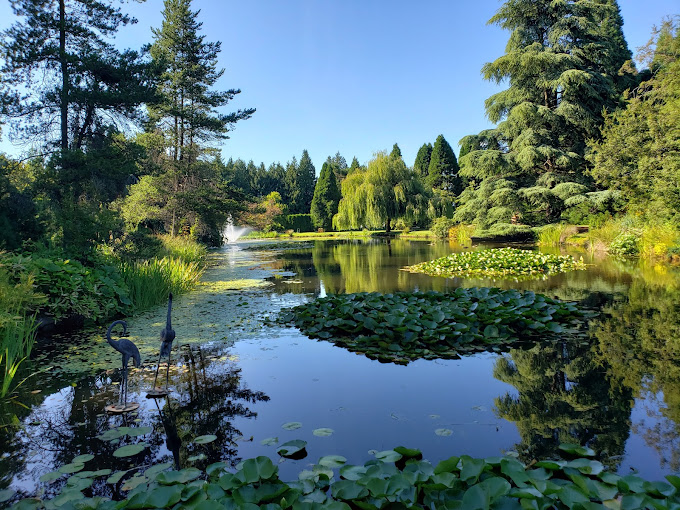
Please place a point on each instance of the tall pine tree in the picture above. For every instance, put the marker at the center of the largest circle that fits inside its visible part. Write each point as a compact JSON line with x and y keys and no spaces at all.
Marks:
{"x":442,"y":173}
{"x":300,"y":182}
{"x":326,"y":198}
{"x":422,"y":163}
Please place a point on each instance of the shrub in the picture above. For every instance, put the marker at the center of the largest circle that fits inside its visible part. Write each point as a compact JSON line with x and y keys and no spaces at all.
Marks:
{"x":625,"y":244}
{"x":441,"y":226}
{"x":298,"y":222}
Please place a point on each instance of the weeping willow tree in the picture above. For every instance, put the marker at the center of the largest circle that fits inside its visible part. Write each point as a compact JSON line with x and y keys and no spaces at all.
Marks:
{"x":565,"y":62}
{"x":385,"y":191}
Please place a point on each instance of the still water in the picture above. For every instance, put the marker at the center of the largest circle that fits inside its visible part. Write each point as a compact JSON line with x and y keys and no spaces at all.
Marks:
{"x":241,"y":380}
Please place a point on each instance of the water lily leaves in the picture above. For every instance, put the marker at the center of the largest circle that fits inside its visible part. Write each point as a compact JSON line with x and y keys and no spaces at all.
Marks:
{"x":292,"y":425}
{"x":133,"y":483}
{"x":178,"y":477}
{"x":575,"y":449}
{"x":165,"y":496}
{"x":154,"y":470}
{"x":404,"y":326}
{"x":255,"y":470}
{"x":81,"y":459}
{"x":332,"y":461}
{"x":6,"y":495}
{"x":388,"y":456}
{"x":117,"y":476}
{"x":195,"y":458}
{"x":130,"y":450}
{"x":71,"y":468}
{"x":443,"y":432}
{"x":322,"y":432}
{"x":270,"y":441}
{"x":51,"y":476}
{"x":291,"y":448}
{"x":208,"y":438}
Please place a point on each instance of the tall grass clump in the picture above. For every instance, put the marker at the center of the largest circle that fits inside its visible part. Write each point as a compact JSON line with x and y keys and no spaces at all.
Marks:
{"x":601,"y":237}
{"x":550,"y":235}
{"x":183,"y":248}
{"x":149,"y":282}
{"x":462,"y":234}
{"x":18,"y":325}
{"x":657,"y":240}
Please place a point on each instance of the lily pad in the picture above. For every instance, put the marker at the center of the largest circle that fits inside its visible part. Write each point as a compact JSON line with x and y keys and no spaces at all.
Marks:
{"x":130,"y":450}
{"x":291,"y":425}
{"x":71,"y":468}
{"x":195,"y":458}
{"x":208,"y":438}
{"x":80,"y":459}
{"x":332,"y":461}
{"x":51,"y":476}
{"x":6,"y":495}
{"x":322,"y":432}
{"x":270,"y":441}
{"x":443,"y":432}
{"x":291,"y":448}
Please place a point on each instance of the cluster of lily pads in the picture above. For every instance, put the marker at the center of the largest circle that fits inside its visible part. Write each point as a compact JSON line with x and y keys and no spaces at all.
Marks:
{"x":410,"y":325}
{"x":397,"y":478}
{"x":499,"y":263}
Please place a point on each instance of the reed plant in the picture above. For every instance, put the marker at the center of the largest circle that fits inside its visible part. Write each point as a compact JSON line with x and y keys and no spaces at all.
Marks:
{"x":149,"y":282}
{"x":550,"y":235}
{"x":462,"y":234}
{"x":18,"y":325}
{"x":183,"y":248}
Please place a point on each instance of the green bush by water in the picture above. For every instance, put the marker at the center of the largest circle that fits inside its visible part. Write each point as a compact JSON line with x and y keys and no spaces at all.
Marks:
{"x":397,"y":478}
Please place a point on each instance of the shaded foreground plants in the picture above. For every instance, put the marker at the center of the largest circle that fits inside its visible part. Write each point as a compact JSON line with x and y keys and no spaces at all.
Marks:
{"x":499,"y":262}
{"x":405,"y":326}
{"x":396,"y":478}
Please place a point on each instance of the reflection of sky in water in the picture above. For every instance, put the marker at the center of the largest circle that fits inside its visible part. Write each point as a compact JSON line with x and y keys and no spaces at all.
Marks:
{"x":246,"y":379}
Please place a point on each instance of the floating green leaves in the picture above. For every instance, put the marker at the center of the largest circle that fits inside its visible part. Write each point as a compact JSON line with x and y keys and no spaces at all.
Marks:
{"x":208,"y":438}
{"x":443,"y":432}
{"x":405,"y":326}
{"x":130,"y":450}
{"x":499,"y":263}
{"x":270,"y":441}
{"x":119,"y":432}
{"x":398,"y":479}
{"x":291,"y":448}
{"x":291,"y":425}
{"x":322,"y":432}
{"x":6,"y":495}
{"x":81,"y":459}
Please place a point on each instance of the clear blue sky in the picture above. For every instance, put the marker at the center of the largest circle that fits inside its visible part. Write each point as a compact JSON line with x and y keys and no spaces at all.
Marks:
{"x":353,"y":76}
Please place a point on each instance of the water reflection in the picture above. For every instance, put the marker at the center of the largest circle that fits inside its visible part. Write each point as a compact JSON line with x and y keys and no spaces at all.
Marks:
{"x":564,"y":396}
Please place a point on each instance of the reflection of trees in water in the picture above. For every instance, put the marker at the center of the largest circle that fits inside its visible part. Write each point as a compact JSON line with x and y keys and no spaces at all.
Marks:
{"x":639,"y":337}
{"x":211,"y":396}
{"x":564,"y":397}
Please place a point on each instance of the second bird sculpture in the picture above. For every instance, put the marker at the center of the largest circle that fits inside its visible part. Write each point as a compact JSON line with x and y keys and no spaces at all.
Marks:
{"x":167,"y":337}
{"x":129,"y":350}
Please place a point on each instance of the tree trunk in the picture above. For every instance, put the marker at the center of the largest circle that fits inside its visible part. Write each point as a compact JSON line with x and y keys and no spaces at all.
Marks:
{"x":387,"y":226}
{"x":64,"y":76}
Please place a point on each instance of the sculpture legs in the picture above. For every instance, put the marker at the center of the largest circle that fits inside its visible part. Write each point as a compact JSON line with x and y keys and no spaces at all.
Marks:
{"x":158,"y":366}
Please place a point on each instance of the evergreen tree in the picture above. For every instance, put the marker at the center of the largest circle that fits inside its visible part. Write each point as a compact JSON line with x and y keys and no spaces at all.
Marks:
{"x":60,"y":64}
{"x":396,"y":151}
{"x":422,"y":163}
{"x":301,"y":179}
{"x":326,"y":198}
{"x":187,"y":112}
{"x":562,"y":64}
{"x":442,"y":172}
{"x":339,"y":165}
{"x":354,"y":166}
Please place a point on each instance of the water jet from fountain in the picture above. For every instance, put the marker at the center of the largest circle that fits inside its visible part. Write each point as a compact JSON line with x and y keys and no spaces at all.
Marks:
{"x":232,"y":233}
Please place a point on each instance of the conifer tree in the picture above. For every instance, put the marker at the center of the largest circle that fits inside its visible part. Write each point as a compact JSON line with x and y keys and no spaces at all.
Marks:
{"x":187,"y":112}
{"x":442,"y":172}
{"x":326,"y":198}
{"x":565,"y":63}
{"x":300,"y":182}
{"x":422,"y":163}
{"x":61,"y":69}
{"x":396,"y":151}
{"x":354,"y":166}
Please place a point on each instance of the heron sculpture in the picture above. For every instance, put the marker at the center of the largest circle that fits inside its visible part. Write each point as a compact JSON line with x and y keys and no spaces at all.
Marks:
{"x":129,"y":350}
{"x":167,"y":337}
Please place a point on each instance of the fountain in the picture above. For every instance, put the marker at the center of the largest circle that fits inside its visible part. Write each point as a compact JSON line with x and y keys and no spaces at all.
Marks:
{"x":231,"y":233}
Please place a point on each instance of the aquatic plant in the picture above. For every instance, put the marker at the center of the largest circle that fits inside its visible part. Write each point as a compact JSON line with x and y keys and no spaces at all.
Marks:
{"x":150,"y":282}
{"x":397,"y":478}
{"x":498,"y":263}
{"x":409,"y":325}
{"x":182,"y":247}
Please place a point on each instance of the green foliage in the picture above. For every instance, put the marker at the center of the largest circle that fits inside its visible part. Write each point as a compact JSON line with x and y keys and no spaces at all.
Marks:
{"x":561,"y":75}
{"x":182,"y":248}
{"x":398,"y":476}
{"x":441,"y":227}
{"x":326,"y":198}
{"x":73,"y":289}
{"x":149,"y":282}
{"x":639,"y":153}
{"x":499,"y":263}
{"x":422,"y":163}
{"x":385,"y":191}
{"x":404,"y":326}
{"x":506,"y":232}
{"x":396,"y":151}
{"x":442,"y":171}
{"x":298,"y":222}
{"x":300,"y":184}
{"x":626,"y":244}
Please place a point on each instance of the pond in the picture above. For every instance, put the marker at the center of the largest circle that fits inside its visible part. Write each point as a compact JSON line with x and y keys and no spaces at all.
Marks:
{"x":255,"y":386}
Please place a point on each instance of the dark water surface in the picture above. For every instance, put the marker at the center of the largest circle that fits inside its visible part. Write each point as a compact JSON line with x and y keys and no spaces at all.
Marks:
{"x":618,"y":392}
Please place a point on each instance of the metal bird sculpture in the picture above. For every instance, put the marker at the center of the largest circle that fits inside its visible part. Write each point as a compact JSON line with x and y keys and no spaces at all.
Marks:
{"x":129,"y":350}
{"x":167,"y":337}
